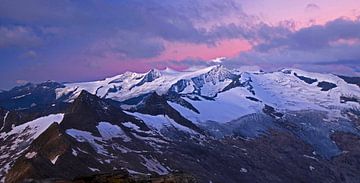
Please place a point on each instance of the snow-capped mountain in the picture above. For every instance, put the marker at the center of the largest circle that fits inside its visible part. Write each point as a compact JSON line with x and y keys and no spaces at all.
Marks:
{"x":130,"y":85}
{"x":214,"y":123}
{"x":285,"y":90}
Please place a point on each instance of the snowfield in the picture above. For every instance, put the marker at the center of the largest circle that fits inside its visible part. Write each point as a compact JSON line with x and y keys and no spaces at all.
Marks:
{"x":160,"y":122}
{"x":284,"y":90}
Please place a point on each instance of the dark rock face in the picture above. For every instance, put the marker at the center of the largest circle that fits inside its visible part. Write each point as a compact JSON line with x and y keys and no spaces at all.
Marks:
{"x":88,"y":110}
{"x":122,"y":176}
{"x":253,"y":99}
{"x":306,"y":79}
{"x":136,"y":100}
{"x":175,"y":97}
{"x":351,"y":80}
{"x":344,"y":99}
{"x":272,"y":112}
{"x":348,"y":164}
{"x":326,"y":86}
{"x":46,"y":147}
{"x":234,"y":83}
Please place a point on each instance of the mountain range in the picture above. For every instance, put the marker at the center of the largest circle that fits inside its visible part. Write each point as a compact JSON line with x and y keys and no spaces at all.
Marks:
{"x":210,"y":124}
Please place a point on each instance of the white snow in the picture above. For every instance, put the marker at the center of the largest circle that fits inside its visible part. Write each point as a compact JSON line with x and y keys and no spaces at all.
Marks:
{"x":4,"y":170}
{"x":160,"y":122}
{"x":281,"y":90}
{"x":287,"y":92}
{"x":4,"y":120}
{"x":227,"y":106}
{"x":109,"y":131}
{"x":131,"y":125}
{"x":152,"y":139}
{"x":74,"y":152}
{"x":243,"y":170}
{"x":94,"y":169}
{"x":311,"y":157}
{"x":127,"y":81}
{"x":82,"y":151}
{"x":84,"y":136}
{"x":134,"y":172}
{"x":311,"y":168}
{"x":136,"y":128}
{"x":154,"y":166}
{"x":30,"y":155}
{"x":21,"y":96}
{"x":53,"y":161}
{"x":35,"y":127}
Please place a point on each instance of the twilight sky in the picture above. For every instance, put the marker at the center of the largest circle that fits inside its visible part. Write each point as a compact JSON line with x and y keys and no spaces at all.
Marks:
{"x":85,"y":40}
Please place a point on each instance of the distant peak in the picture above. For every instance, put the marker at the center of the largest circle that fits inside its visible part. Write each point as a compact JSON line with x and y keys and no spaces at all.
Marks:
{"x":153,"y":74}
{"x":153,"y":70}
{"x":219,"y":68}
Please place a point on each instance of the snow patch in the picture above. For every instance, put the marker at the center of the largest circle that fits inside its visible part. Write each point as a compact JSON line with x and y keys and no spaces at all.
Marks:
{"x":154,"y":166}
{"x":311,"y":168}
{"x":74,"y":152}
{"x":84,"y":136}
{"x":227,"y":106}
{"x":53,"y":161}
{"x":311,"y":157}
{"x":4,"y":120}
{"x":160,"y":122}
{"x":134,"y":172}
{"x":132,"y":126}
{"x":21,"y":96}
{"x":243,"y":170}
{"x":94,"y":169}
{"x":30,"y":155}
{"x":109,"y":131}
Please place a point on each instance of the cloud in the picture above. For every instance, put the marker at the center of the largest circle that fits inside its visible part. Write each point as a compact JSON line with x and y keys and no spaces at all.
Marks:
{"x":335,"y":44}
{"x":315,"y":37}
{"x":30,"y":54}
{"x":312,"y":7}
{"x":18,"y":36}
{"x":21,"y":81}
{"x":133,"y":29}
{"x":125,"y":45}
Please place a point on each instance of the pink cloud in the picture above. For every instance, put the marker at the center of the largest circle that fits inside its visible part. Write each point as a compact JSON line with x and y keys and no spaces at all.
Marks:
{"x":224,"y":48}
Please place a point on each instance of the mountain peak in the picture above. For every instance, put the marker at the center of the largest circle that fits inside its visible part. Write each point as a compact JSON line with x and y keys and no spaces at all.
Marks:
{"x":152,"y":75}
